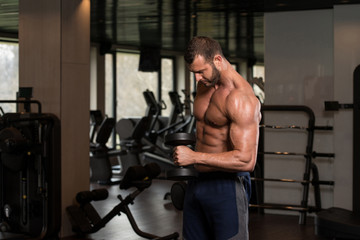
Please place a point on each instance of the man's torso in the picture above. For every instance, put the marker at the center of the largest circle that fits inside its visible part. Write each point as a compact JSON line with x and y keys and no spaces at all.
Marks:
{"x":212,"y":123}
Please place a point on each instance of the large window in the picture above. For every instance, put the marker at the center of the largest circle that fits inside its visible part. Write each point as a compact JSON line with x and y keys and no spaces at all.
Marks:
{"x":9,"y":70}
{"x":124,"y":96}
{"x":131,"y":83}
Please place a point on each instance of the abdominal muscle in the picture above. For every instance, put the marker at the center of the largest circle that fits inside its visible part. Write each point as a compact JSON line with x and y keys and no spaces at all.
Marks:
{"x":211,"y":139}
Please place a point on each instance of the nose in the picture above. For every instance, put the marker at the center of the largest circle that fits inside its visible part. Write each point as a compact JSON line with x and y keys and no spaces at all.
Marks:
{"x":198,"y":77}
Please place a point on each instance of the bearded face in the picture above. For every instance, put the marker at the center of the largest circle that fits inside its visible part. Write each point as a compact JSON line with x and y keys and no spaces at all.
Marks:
{"x":215,"y":76}
{"x":205,"y":71}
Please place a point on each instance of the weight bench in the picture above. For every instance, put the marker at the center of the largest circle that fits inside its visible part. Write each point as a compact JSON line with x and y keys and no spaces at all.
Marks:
{"x":85,"y":219}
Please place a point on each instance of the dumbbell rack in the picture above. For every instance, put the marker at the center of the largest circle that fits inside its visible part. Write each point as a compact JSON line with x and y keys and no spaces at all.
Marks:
{"x":310,"y":167}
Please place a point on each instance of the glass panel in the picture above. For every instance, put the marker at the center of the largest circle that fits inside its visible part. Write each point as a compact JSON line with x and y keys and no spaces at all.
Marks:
{"x":9,"y":69}
{"x":93,"y":78}
{"x":167,"y":83}
{"x":259,"y":82}
{"x":131,"y":84}
{"x":109,"y":86}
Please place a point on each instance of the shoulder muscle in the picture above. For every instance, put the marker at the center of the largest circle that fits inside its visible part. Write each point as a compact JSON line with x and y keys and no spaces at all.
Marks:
{"x":242,"y":108}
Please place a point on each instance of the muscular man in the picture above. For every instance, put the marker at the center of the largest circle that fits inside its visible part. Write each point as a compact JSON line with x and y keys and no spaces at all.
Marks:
{"x":227,"y":127}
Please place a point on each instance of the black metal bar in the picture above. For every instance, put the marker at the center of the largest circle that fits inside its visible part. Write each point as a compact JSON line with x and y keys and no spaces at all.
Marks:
{"x":298,"y":208}
{"x":335,"y":105}
{"x":284,"y":127}
{"x":315,"y":181}
{"x":292,"y":108}
{"x":135,"y":227}
{"x":258,"y":187}
{"x":313,"y":154}
{"x":29,"y":117}
{"x":284,"y":153}
{"x":296,"y":127}
{"x":278,"y":180}
{"x":323,"y":128}
{"x":316,"y":186}
{"x":356,"y":143}
{"x":324,"y":155}
{"x":159,"y":32}
{"x":114,"y":93}
{"x":115,"y":211}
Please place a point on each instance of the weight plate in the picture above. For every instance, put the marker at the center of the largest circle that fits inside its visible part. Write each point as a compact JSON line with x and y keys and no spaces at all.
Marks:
{"x":180,"y":138}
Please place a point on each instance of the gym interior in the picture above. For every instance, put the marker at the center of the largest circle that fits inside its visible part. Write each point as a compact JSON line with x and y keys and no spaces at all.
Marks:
{"x":90,"y":91}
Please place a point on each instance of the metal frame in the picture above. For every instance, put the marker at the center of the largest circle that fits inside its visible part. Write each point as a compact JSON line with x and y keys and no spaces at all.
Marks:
{"x":310,"y":167}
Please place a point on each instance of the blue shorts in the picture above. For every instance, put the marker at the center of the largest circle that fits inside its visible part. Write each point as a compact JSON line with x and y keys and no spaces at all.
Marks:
{"x":216,"y":207}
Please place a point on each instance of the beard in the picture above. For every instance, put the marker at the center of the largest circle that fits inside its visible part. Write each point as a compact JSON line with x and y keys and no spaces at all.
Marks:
{"x":214,"y":77}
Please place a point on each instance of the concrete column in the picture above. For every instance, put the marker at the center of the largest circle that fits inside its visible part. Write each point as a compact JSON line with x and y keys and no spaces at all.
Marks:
{"x":54,"y":53}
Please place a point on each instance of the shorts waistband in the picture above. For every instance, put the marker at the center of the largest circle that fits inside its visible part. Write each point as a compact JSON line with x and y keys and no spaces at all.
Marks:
{"x":217,"y":175}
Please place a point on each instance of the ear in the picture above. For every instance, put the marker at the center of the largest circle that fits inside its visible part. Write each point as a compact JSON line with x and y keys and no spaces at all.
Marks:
{"x":218,"y":61}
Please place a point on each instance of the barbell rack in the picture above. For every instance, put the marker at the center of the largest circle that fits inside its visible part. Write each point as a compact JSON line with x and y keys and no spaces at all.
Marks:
{"x":310,"y":167}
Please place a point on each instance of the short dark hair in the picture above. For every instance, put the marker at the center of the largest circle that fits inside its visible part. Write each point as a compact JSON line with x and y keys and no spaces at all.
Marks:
{"x":203,"y":46}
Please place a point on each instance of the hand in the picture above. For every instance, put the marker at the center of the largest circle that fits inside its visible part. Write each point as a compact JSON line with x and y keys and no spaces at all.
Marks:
{"x":183,"y":156}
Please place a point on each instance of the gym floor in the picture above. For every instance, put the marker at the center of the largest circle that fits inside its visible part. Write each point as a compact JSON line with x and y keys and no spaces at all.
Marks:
{"x":156,"y":215}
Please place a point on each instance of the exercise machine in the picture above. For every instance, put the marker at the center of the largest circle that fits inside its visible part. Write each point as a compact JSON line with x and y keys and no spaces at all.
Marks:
{"x":176,"y":122}
{"x":96,"y":118}
{"x":131,"y":132}
{"x":101,"y":169}
{"x":30,"y":174}
{"x":85,"y":219}
{"x":155,"y":137}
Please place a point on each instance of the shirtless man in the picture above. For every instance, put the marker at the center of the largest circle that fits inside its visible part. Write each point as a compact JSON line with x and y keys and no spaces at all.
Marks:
{"x":227,"y":128}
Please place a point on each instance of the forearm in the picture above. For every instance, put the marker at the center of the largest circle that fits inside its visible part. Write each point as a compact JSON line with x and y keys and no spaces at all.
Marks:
{"x":232,"y":161}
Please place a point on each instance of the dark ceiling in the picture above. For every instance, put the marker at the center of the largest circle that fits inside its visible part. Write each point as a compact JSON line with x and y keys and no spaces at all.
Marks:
{"x":169,"y":24}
